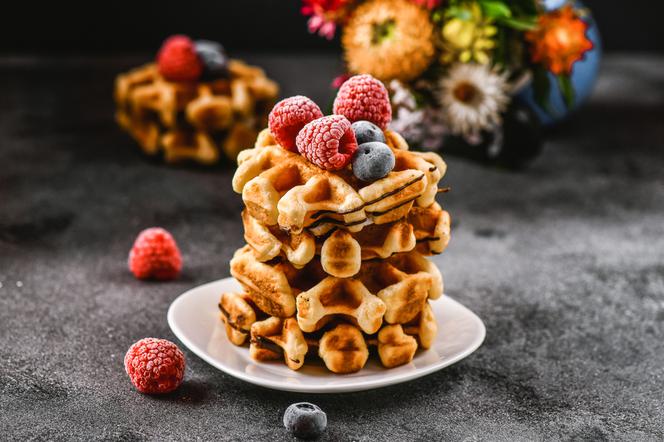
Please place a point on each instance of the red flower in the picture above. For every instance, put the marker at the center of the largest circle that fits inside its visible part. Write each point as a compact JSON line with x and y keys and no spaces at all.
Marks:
{"x":325,"y":14}
{"x":559,"y":40}
{"x":322,"y":7}
{"x":339,"y":80}
{"x":428,"y":4}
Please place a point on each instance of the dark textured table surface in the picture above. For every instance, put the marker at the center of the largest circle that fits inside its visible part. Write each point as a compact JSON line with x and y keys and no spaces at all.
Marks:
{"x":564,"y":262}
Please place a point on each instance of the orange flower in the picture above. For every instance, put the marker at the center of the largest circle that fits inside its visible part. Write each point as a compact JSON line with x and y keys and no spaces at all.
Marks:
{"x":559,"y":40}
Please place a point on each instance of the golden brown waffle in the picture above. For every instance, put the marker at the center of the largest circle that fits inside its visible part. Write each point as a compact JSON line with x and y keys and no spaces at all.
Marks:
{"x":274,"y":338}
{"x":345,"y":297}
{"x":341,"y":251}
{"x":343,"y":349}
{"x":342,"y":346}
{"x":237,"y":313}
{"x":424,"y":328}
{"x":267,"y":286}
{"x":394,"y":289}
{"x":269,"y":242}
{"x":282,"y":188}
{"x":395,"y":347}
{"x":337,"y":265}
{"x":194,"y":121}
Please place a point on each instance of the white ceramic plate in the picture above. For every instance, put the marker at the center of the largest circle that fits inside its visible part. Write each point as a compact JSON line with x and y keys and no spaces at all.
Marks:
{"x":194,"y":318}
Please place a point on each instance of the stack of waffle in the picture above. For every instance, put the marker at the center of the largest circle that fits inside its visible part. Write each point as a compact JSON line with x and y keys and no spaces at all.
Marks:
{"x":194,"y":121}
{"x":334,"y":266}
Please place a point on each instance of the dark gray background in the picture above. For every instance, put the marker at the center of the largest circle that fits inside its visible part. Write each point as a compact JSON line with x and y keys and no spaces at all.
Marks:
{"x":120,"y":26}
{"x":564,"y":262}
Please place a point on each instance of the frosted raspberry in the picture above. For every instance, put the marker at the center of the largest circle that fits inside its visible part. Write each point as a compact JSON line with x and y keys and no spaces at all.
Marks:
{"x":362,"y":97}
{"x":289,"y":116}
{"x":155,"y":255}
{"x":328,"y":142}
{"x":177,"y":59}
{"x":155,"y":365}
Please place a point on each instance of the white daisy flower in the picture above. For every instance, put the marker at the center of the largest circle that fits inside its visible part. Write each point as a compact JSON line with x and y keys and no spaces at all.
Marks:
{"x":472,"y":97}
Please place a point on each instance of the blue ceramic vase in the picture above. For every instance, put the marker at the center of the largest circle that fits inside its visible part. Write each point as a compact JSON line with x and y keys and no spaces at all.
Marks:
{"x":584,"y":73}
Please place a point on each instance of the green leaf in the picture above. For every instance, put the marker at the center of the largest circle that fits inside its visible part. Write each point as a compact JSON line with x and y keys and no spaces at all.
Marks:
{"x":566,"y":90}
{"x":524,"y":7}
{"x":542,"y":88}
{"x":500,"y":53}
{"x":495,"y":9}
{"x":520,"y":24}
{"x":458,"y":12}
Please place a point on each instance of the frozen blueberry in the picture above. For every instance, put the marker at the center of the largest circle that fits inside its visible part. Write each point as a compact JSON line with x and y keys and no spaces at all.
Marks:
{"x":366,"y":131}
{"x":372,"y":161}
{"x":305,"y":420}
{"x":213,"y":57}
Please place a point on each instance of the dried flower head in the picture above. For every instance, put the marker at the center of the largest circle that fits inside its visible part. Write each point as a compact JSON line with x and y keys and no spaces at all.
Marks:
{"x":389,"y":39}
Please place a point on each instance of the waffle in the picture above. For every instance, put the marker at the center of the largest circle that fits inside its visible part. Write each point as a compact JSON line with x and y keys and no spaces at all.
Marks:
{"x":282,"y":188}
{"x":339,"y":296}
{"x":237,"y":314}
{"x":335,"y":268}
{"x":341,"y":252}
{"x":343,"y":349}
{"x":266,"y":285}
{"x":395,"y":347}
{"x":270,"y":242}
{"x":403,"y":282}
{"x":342,"y":346}
{"x":424,"y":328}
{"x":274,"y":338}
{"x":194,"y":121}
{"x":394,"y":289}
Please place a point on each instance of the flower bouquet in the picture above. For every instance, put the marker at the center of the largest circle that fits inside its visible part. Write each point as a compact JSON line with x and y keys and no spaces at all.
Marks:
{"x":455,"y":67}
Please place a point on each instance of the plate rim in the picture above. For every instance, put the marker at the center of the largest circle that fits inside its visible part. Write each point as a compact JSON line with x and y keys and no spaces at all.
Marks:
{"x":323,"y":388}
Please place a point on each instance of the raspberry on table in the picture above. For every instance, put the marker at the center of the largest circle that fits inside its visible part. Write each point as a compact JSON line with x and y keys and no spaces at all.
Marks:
{"x":328,"y":142}
{"x":154,"y":365}
{"x":362,"y":97}
{"x":177,"y":59}
{"x":155,"y":255}
{"x":289,"y":116}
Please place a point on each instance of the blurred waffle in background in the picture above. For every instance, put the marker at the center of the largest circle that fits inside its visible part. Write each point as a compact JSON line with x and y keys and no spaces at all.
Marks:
{"x":196,"y":108}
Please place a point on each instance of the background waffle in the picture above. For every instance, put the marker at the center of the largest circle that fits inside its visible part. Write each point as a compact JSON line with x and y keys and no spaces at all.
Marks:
{"x":194,"y":121}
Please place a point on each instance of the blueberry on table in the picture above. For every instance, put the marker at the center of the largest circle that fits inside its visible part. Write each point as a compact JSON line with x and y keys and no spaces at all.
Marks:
{"x":305,"y":420}
{"x":366,"y":131}
{"x":372,"y":161}
{"x":213,"y":57}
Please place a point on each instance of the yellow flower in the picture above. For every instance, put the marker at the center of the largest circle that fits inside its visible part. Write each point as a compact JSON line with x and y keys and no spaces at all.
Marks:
{"x":389,"y":39}
{"x":468,"y":39}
